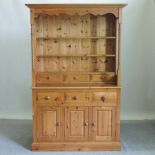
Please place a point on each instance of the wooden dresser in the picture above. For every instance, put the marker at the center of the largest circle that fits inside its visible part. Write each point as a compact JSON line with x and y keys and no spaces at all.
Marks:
{"x":76,"y":76}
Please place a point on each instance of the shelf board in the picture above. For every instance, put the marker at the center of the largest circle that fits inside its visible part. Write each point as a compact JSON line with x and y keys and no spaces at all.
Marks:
{"x":78,"y":82}
{"x":77,"y":87}
{"x":93,"y":55}
{"x":72,"y":37}
{"x":77,"y":72}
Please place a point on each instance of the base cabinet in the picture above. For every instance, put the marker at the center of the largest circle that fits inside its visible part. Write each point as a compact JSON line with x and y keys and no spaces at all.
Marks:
{"x":72,"y":116}
{"x":77,"y":125}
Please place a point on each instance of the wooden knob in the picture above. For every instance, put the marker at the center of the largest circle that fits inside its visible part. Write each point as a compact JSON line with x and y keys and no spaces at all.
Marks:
{"x":93,"y":124}
{"x":85,"y":123}
{"x":47,"y":97}
{"x":103,"y":98}
{"x":57,"y":124}
{"x":74,"y":97}
{"x":102,"y":77}
{"x":56,"y":99}
{"x":74,"y":78}
{"x":48,"y":77}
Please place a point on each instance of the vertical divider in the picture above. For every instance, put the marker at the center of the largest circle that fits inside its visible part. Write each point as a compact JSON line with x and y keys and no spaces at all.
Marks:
{"x":117,"y":48}
{"x":41,"y":34}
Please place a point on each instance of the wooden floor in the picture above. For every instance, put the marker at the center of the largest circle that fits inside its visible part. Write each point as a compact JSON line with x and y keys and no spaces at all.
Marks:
{"x":138,"y":138}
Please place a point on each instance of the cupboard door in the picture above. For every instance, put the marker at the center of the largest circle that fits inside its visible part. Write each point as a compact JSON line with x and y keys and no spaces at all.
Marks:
{"x":76,"y":123}
{"x":103,"y":123}
{"x":49,"y":123}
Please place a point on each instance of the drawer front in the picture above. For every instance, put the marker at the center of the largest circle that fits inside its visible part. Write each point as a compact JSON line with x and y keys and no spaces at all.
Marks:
{"x":47,"y":78}
{"x":50,"y":97}
{"x":102,"y":77}
{"x":76,"y":78}
{"x":103,"y":98}
{"x":76,"y":97}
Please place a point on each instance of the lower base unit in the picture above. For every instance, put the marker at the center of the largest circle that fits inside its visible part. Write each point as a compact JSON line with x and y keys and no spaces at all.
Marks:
{"x":76,"y":146}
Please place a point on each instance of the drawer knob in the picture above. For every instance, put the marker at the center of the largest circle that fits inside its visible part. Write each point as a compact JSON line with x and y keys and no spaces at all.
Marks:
{"x":47,"y":97}
{"x":56,"y":99}
{"x":74,"y":98}
{"x":74,"y":78}
{"x":103,"y":98}
{"x":102,"y":78}
{"x":48,"y":77}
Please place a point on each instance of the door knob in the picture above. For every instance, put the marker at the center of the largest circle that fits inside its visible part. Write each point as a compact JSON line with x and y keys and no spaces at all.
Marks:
{"x":57,"y":124}
{"x":85,"y":123}
{"x":93,"y":124}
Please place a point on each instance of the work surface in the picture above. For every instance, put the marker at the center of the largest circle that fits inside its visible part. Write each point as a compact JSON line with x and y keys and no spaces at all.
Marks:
{"x":138,"y":138}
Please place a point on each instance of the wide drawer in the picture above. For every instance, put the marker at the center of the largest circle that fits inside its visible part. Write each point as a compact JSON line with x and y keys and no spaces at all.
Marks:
{"x":50,"y":97}
{"x":49,"y":77}
{"x":104,"y":97}
{"x":76,"y":96}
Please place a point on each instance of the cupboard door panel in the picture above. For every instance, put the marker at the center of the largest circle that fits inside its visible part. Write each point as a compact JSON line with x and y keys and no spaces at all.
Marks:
{"x":49,"y":124}
{"x":76,"y":119}
{"x":103,"y":124}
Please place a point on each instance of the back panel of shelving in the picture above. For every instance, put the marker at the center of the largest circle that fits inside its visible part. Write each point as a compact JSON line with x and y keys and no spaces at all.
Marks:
{"x":65,"y":43}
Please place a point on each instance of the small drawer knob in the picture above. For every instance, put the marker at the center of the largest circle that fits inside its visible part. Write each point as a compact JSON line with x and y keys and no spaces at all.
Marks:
{"x":103,"y":98}
{"x":48,"y":77}
{"x":47,"y":97}
{"x":74,"y":98}
{"x":102,"y":77}
{"x":74,"y":78}
{"x":56,"y":99}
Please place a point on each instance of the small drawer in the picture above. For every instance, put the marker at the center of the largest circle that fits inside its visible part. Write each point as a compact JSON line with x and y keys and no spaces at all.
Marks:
{"x":103,"y":77}
{"x":52,"y":97}
{"x":76,"y":78}
{"x":76,"y":97}
{"x":47,"y":77}
{"x":104,"y":97}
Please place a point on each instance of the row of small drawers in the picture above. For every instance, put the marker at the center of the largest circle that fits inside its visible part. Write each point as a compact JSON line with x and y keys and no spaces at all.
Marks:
{"x":56,"y":77}
{"x":51,"y":97}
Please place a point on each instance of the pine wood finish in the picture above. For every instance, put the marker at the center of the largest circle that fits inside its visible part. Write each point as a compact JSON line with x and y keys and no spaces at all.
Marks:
{"x":76,"y":76}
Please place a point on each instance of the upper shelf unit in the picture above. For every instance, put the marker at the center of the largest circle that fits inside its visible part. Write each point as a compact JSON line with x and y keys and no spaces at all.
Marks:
{"x":86,"y":43}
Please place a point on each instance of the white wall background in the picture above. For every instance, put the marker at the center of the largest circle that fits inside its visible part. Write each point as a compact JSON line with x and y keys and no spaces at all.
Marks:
{"x":138,"y":58}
